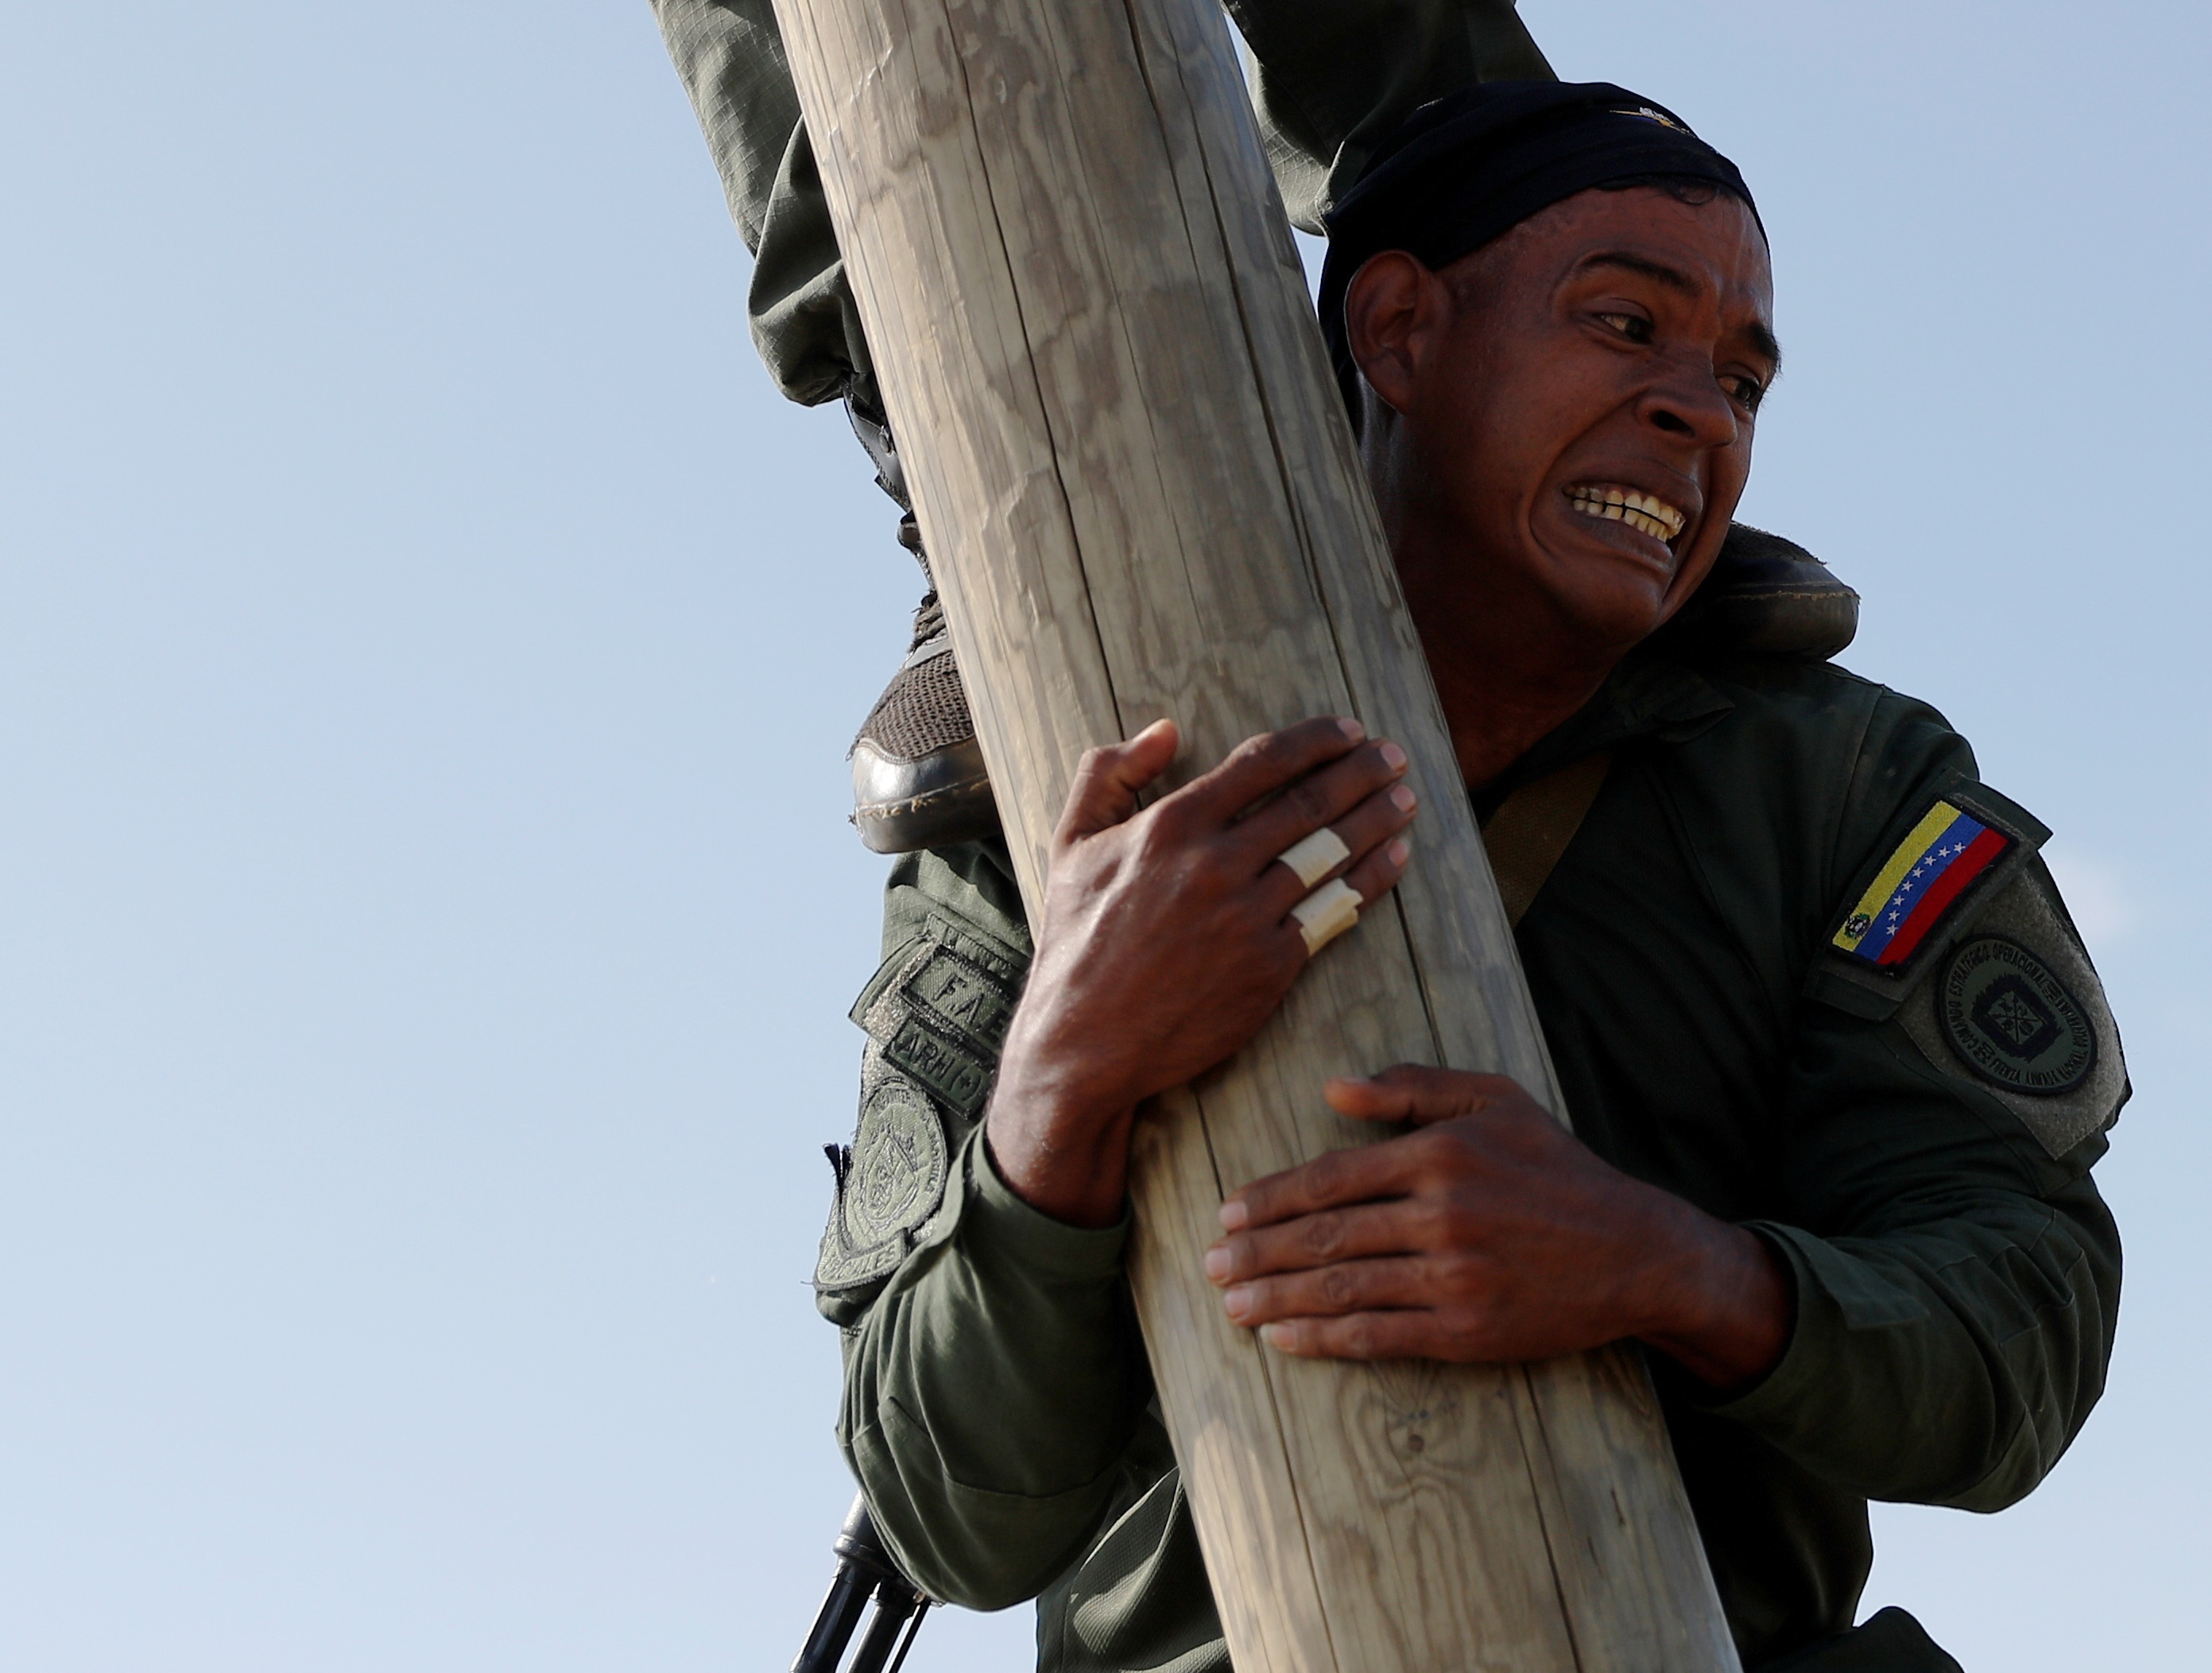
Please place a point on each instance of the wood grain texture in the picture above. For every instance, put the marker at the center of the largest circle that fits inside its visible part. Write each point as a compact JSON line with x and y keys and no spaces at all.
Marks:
{"x":1141,"y":498}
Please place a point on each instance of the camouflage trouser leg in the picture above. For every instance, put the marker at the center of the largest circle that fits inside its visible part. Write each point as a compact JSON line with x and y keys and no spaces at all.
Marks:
{"x":1334,"y":78}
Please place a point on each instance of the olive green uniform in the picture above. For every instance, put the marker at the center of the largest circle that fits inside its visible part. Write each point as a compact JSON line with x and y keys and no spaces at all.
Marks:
{"x":1921,"y":1166}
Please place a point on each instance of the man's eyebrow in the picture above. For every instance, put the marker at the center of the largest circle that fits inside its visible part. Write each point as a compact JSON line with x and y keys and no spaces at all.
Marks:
{"x":1763,"y":340}
{"x":1657,"y":272}
{"x":1674,"y":279}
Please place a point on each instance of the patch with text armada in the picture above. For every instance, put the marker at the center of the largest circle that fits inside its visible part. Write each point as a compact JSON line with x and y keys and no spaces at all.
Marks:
{"x":939,"y":1009}
{"x":1924,"y":877}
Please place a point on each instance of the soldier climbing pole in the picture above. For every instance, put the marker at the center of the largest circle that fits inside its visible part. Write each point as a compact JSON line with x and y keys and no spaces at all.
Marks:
{"x":1141,"y":498}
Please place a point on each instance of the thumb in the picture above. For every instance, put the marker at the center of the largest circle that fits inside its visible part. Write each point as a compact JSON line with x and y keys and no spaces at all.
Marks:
{"x":1107,"y":779}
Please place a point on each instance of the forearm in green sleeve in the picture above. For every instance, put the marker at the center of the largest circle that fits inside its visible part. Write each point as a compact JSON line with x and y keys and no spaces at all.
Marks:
{"x":1950,"y":1363}
{"x":1333,"y":80}
{"x":990,"y":1392}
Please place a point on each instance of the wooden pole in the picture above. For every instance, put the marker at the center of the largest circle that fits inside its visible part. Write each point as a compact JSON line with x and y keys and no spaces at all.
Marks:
{"x":1141,"y":498}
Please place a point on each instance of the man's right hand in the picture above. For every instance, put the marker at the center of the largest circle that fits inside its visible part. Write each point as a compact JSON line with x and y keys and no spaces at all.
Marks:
{"x":1167,"y":939}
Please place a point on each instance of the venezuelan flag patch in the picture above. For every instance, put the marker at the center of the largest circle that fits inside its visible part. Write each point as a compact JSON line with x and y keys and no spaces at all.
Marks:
{"x":1920,"y":882}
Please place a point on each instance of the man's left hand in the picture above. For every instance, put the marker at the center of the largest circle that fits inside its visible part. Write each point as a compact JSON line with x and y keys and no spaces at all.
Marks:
{"x":1489,"y":1234}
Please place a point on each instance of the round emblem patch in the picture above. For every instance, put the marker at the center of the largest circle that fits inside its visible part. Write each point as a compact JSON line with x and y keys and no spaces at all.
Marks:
{"x":899,"y":1164}
{"x":2012,"y":1021}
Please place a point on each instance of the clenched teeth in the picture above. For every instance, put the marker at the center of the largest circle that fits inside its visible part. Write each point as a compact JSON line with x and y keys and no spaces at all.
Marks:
{"x":1644,"y":513}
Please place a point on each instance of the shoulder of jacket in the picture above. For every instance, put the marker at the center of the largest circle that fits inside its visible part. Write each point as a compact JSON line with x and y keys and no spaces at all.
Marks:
{"x":971,"y":882}
{"x":2014,"y":1008}
{"x":1809,"y":743}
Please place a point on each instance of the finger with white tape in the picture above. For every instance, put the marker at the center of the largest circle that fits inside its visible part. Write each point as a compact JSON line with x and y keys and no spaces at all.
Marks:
{"x":1314,"y":857}
{"x":1326,"y":913}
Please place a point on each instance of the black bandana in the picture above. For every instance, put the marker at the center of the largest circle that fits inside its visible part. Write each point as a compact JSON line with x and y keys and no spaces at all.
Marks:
{"x":1463,"y":169}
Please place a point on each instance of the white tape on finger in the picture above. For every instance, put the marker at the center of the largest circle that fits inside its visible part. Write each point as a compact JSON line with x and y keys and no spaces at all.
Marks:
{"x":1314,"y":857}
{"x":1326,"y":914}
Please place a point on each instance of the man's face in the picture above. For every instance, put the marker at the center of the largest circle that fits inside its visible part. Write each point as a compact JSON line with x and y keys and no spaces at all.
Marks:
{"x":1575,"y":407}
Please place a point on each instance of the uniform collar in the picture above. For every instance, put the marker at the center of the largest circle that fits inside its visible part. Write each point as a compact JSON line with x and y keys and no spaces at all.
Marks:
{"x":1649,"y":695}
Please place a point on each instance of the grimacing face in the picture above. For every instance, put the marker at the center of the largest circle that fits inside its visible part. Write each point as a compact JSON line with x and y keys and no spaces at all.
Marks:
{"x":1565,"y":416}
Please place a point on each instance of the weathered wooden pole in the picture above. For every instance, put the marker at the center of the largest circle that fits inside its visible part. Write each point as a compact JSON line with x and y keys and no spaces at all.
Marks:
{"x":1141,"y":498}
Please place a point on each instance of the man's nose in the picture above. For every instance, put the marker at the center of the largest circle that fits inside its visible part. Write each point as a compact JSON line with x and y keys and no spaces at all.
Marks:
{"x":1690,"y":407}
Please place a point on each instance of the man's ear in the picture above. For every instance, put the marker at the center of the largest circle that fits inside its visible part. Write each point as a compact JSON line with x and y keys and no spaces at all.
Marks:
{"x":1393,"y":309}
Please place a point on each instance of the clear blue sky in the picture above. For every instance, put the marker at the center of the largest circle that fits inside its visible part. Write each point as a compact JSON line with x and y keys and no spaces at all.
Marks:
{"x":427,"y":915}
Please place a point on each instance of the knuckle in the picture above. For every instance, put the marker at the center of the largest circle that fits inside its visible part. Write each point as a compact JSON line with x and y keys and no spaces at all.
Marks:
{"x":1257,"y":750}
{"x":1197,"y":873}
{"x":1340,"y":1285}
{"x":1462,"y":1227}
{"x":1463,"y":1275}
{"x":1160,"y":842}
{"x":1322,"y":1236}
{"x":1167,"y":820}
{"x":1436,"y":1221}
{"x":1324,"y":1173}
{"x":1431,"y":1151}
{"x":1309,"y":800}
{"x":1224,"y":869}
{"x":1285,"y":753}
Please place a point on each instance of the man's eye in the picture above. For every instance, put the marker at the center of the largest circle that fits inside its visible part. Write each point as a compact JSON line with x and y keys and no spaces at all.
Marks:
{"x":1750,"y":390}
{"x":1634,"y":326}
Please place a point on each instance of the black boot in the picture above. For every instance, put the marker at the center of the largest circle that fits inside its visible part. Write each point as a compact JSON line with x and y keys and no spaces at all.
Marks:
{"x":918,"y":775}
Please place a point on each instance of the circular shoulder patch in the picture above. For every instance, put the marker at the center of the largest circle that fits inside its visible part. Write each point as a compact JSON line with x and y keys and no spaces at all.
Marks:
{"x":899,"y":1164}
{"x":2013,"y":1022}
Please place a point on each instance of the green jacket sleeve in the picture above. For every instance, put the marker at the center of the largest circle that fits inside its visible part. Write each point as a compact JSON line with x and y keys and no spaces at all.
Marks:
{"x":1957,"y":1274}
{"x":1955,"y":1305}
{"x":990,"y":1392}
{"x":994,"y":1378}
